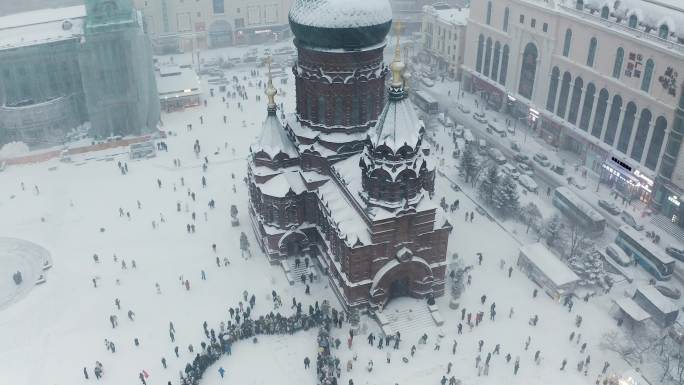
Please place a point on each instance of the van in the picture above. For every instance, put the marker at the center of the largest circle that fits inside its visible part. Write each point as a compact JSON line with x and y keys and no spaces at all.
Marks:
{"x":629,"y":219}
{"x":528,"y":183}
{"x":492,"y":127}
{"x":482,"y":148}
{"x":498,"y":157}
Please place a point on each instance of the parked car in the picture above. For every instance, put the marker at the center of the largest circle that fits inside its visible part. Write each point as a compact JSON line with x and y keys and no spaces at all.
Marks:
{"x":525,"y":169}
{"x":542,"y":159}
{"x":480,"y":117}
{"x":578,"y":184}
{"x":670,"y":292}
{"x":609,"y":206}
{"x":458,"y":131}
{"x":675,"y":253}
{"x":560,"y":170}
{"x":629,"y":219}
{"x":521,"y":158}
{"x":468,"y":136}
{"x":510,"y":169}
{"x":498,"y":157}
{"x":510,"y":130}
{"x":618,"y":255}
{"x":515,"y":146}
{"x":482,"y":147}
{"x":528,"y":183}
{"x":463,"y":109}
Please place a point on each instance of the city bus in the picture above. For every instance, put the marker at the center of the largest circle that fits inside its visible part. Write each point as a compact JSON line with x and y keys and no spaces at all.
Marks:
{"x":657,"y":263}
{"x":579,"y":211}
{"x":425,"y":102}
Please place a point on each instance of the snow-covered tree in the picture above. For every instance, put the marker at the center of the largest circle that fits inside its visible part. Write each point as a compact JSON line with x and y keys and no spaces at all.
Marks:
{"x":552,"y":229}
{"x":574,"y":240}
{"x":506,"y":199}
{"x":489,"y":185}
{"x":468,"y":163}
{"x":531,"y":215}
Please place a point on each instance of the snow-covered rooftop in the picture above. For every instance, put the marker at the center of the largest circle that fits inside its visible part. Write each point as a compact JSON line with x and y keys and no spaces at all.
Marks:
{"x":281,"y":184}
{"x":456,"y":16}
{"x":341,"y":13}
{"x":274,"y":139}
{"x":632,"y":309}
{"x":397,"y":125}
{"x":663,"y":303}
{"x":342,"y":211}
{"x":177,"y":81}
{"x":41,"y":26}
{"x":549,"y":264}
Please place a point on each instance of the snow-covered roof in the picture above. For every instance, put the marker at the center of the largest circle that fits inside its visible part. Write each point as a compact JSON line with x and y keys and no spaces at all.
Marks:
{"x":343,"y":213}
{"x":177,"y":81}
{"x":457,"y":16}
{"x":579,"y":203}
{"x":332,"y":137}
{"x":281,"y":184}
{"x":549,"y":264}
{"x":633,"y":310}
{"x":341,"y":13}
{"x":41,"y":26}
{"x":658,"y":300}
{"x":274,"y":139}
{"x":397,"y":125}
{"x":654,"y":12}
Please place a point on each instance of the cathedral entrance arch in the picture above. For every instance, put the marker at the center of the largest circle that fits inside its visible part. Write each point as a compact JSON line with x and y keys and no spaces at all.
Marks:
{"x":404,"y":276}
{"x":293,"y":243}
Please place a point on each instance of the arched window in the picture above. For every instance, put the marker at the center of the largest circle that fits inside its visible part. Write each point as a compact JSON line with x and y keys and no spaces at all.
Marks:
{"x":553,"y":89}
{"x":505,"y":19}
{"x":633,"y":21}
{"x":592,"y":52}
{"x":627,"y":124}
{"x":371,"y":107}
{"x":321,"y":110}
{"x":579,"y":5}
{"x":613,"y":120}
{"x":664,"y":31}
{"x":495,"y":61}
{"x":339,"y":111}
{"x":489,"y":13}
{"x":605,"y":12}
{"x":504,"y":65}
{"x":480,"y":51}
{"x":567,"y":42}
{"x":528,"y":70}
{"x":564,"y":92}
{"x":617,"y":66}
{"x":648,"y":74}
{"x":641,"y":134}
{"x":575,"y":100}
{"x":588,"y":106}
{"x":656,"y":143}
{"x":488,"y":56}
{"x":309,"y":106}
{"x":600,"y":114}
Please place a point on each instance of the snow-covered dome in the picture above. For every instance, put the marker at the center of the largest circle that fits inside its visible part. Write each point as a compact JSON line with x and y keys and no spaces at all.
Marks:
{"x":347,"y":24}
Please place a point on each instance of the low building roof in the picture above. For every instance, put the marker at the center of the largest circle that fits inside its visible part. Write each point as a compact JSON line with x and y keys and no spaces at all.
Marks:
{"x":179,"y":82}
{"x":632,"y":309}
{"x":41,"y":26}
{"x":658,"y":300}
{"x":549,"y":264}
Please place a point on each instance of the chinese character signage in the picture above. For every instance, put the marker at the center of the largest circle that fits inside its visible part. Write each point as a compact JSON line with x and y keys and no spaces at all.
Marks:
{"x":634,"y":65}
{"x":669,"y":81}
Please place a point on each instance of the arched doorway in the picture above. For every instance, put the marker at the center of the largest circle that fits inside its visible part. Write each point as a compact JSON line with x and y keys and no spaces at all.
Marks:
{"x":528,"y":70}
{"x":404,"y":276}
{"x":293,"y":243}
{"x":220,"y":34}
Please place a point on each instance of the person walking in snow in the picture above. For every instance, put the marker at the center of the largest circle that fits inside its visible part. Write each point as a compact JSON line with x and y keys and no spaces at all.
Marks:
{"x":306,"y":362}
{"x":85,"y":372}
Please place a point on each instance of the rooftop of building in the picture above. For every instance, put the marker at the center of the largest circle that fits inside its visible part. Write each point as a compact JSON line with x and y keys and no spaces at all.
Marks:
{"x":41,"y":26}
{"x":445,"y":13}
{"x":177,"y":82}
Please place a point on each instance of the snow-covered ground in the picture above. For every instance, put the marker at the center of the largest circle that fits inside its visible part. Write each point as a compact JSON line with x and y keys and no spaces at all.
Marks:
{"x":60,"y":327}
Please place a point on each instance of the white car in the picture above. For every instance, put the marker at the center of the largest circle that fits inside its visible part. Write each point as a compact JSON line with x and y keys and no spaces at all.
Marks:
{"x":463,"y":109}
{"x":525,"y":169}
{"x":427,"y":82}
{"x":480,"y":117}
{"x":528,"y":183}
{"x":510,"y":169}
{"x":542,"y":159}
{"x":614,"y":251}
{"x":498,"y":157}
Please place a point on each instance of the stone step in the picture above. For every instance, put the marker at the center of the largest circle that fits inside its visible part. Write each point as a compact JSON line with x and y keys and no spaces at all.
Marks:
{"x":666,"y":225}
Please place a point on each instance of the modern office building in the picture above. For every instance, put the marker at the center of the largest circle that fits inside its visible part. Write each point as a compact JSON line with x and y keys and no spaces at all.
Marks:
{"x":61,"y":68}
{"x":600,"y":78}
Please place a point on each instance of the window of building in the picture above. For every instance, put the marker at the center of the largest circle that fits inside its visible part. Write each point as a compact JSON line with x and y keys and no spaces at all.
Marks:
{"x":488,"y":56}
{"x":613,"y":119}
{"x":600,"y":114}
{"x":553,"y":90}
{"x":567,"y":42}
{"x":528,"y":70}
{"x":339,"y":111}
{"x":579,"y":5}
{"x":489,"y":13}
{"x":219,"y":6}
{"x":522,"y":19}
{"x":574,"y":108}
{"x":495,"y":61}
{"x":533,"y":23}
{"x":641,"y":134}
{"x":587,"y":107}
{"x":480,"y":52}
{"x":545,"y":27}
{"x":505,"y":19}
{"x":648,"y":74}
{"x":664,"y":31}
{"x":240,"y":23}
{"x":504,"y":65}
{"x":617,"y":66}
{"x":605,"y":12}
{"x":627,"y":124}
{"x":633,"y":21}
{"x":592,"y":52}
{"x":564,"y":93}
{"x":656,"y":143}
{"x":321,"y":110}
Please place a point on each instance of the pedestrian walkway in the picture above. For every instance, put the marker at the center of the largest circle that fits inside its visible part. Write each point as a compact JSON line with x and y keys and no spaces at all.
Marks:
{"x":666,"y":225}
{"x":297,"y":272}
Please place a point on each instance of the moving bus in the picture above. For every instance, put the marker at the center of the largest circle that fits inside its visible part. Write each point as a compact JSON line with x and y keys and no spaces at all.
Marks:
{"x":425,"y":102}
{"x":579,"y":211}
{"x":652,"y":259}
